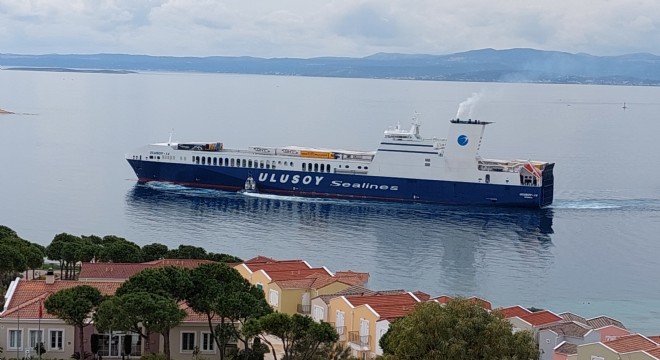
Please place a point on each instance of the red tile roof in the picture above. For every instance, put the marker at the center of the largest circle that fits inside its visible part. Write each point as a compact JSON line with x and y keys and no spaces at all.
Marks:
{"x":29,"y":294}
{"x":484,"y":303}
{"x":513,"y":311}
{"x":654,"y":352}
{"x":296,"y":274}
{"x":541,"y":318}
{"x":259,"y":259}
{"x":123,"y":271}
{"x":654,"y":338}
{"x":316,"y":280}
{"x":442,"y":299}
{"x":278,"y":266}
{"x":387,"y":306}
{"x":628,"y":343}
{"x":422,"y":296}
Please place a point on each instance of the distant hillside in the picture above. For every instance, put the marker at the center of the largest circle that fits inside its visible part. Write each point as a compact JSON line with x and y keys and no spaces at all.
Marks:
{"x":486,"y":65}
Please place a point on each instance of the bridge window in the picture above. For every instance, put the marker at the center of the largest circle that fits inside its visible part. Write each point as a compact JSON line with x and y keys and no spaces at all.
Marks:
{"x":203,"y":160}
{"x":215,"y":161}
{"x":316,"y":167}
{"x":304,"y":166}
{"x":249,"y":163}
{"x":244,"y":163}
{"x":232,"y":162}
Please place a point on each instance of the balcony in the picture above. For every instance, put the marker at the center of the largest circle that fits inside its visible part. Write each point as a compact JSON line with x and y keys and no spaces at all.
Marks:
{"x":362,"y":341}
{"x":341,"y":330}
{"x":304,"y":309}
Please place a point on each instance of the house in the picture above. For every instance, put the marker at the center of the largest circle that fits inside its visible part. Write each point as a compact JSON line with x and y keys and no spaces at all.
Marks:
{"x":630,"y":347}
{"x":533,"y":321}
{"x":361,"y":320}
{"x":290,"y":285}
{"x":566,"y":332}
{"x":321,"y":304}
{"x":564,"y":351}
{"x":608,"y":328}
{"x":23,"y":320}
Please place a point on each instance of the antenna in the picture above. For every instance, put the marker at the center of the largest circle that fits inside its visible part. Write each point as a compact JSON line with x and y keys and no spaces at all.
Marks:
{"x":169,"y":142}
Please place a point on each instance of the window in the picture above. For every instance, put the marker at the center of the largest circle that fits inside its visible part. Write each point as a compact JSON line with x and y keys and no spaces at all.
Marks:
{"x":36,"y":336}
{"x":56,"y":339}
{"x":207,"y":341}
{"x":260,"y":286}
{"x":319,"y":313}
{"x":274,"y":297}
{"x":187,"y":341}
{"x":15,"y":339}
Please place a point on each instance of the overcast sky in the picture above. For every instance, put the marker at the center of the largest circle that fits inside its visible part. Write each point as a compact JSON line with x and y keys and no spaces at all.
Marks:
{"x":309,"y":28}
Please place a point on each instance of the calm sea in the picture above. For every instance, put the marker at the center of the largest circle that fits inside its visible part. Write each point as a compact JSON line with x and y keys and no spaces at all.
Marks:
{"x":595,"y":251}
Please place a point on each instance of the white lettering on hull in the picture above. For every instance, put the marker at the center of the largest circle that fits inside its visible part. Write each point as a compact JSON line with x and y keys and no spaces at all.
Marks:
{"x":316,"y":180}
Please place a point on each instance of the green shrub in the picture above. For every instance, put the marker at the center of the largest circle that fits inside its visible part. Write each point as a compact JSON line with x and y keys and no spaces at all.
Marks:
{"x":152,"y":356}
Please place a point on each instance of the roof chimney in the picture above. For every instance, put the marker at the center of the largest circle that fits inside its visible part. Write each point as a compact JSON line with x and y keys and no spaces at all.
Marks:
{"x":50,"y":276}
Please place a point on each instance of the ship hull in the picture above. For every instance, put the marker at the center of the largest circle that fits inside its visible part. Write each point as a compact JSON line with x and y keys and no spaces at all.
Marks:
{"x":347,"y":186}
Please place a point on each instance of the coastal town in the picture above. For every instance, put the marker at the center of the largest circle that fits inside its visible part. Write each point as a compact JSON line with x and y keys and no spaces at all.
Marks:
{"x":360,"y":316}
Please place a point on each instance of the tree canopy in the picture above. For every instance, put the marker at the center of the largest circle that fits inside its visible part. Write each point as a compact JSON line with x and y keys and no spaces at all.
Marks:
{"x":140,"y":312}
{"x":302,"y":337}
{"x":17,"y":254}
{"x":75,"y":306}
{"x":220,"y":291}
{"x":458,"y":330}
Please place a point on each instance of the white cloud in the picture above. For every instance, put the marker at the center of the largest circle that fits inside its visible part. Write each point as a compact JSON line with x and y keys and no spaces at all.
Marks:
{"x":303,"y":28}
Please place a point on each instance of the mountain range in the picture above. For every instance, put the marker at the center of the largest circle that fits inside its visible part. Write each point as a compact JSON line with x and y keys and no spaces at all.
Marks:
{"x":484,"y":65}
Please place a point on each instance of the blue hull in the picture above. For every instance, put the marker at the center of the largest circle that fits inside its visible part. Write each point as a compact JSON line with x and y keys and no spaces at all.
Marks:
{"x":320,"y":184}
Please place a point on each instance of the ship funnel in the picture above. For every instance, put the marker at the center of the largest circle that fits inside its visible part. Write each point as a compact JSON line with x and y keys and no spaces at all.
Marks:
{"x":464,"y":141}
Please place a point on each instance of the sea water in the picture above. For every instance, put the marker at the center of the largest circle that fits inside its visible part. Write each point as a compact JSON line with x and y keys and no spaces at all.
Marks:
{"x":593,"y":252}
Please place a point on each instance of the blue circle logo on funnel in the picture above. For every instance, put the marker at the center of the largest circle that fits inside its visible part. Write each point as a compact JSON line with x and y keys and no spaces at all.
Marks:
{"x":462,"y":140}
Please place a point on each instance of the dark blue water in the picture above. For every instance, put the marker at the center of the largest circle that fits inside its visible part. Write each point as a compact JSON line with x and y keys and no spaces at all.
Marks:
{"x":595,"y":251}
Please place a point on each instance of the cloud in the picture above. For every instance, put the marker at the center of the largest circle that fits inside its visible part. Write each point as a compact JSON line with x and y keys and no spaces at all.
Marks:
{"x":302,"y":28}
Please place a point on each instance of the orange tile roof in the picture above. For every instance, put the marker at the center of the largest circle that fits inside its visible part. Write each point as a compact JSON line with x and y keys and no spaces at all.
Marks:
{"x":628,"y":343}
{"x":28,"y":295}
{"x":541,"y":318}
{"x":513,"y":311}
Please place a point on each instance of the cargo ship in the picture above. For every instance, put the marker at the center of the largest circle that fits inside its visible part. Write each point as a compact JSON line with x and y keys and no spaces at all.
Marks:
{"x":406,"y":167}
